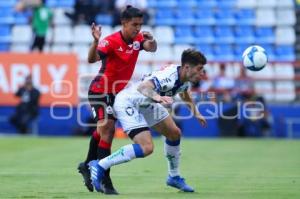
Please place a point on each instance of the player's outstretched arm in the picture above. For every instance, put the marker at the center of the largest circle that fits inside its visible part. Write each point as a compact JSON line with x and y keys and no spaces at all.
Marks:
{"x":187,"y":98}
{"x":96,"y":33}
{"x":147,"y":88}
{"x":150,"y":44}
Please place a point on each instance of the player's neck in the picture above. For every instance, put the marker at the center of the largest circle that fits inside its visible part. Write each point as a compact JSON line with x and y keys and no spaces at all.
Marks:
{"x":125,"y":37}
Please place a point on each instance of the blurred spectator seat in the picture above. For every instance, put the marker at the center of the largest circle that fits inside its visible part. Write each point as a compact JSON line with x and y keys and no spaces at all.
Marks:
{"x":285,"y":91}
{"x":285,"y":4}
{"x":186,"y":4}
{"x":140,"y":70}
{"x":212,"y":70}
{"x":147,"y":28}
{"x":265,"y":89}
{"x":63,"y":34}
{"x":238,"y":51}
{"x":206,"y":4}
{"x":225,"y":16}
{"x":60,"y":3}
{"x":104,"y":19}
{"x":4,"y":47}
{"x":164,"y":17}
{"x":246,"y":4}
{"x":22,"y":17}
{"x":227,"y":4}
{"x":265,"y":17}
{"x":107,"y":30}
{"x":266,"y":3}
{"x":82,"y":34}
{"x":184,"y":35}
{"x":245,"y":17}
{"x":244,"y":35}
{"x":285,"y":35}
{"x":284,"y":70}
{"x":81,"y":50}
{"x":184,"y":16}
{"x":233,"y":70}
{"x":224,"y":35}
{"x":285,"y":53}
{"x":164,"y":53}
{"x":6,"y":15}
{"x":21,"y":34}
{"x":207,"y":50}
{"x":60,"y":18}
{"x":264,"y":35}
{"x":166,"y":4}
{"x":60,"y":48}
{"x":5,"y":34}
{"x":223,"y":52}
{"x":164,"y":34}
{"x":8,"y":3}
{"x":205,"y":17}
{"x":203,"y":34}
{"x":285,"y":17}
{"x":21,"y":48}
{"x":266,"y":73}
{"x":145,"y":56}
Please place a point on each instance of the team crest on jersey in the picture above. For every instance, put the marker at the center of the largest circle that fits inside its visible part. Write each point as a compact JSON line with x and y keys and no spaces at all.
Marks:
{"x":103,"y":43}
{"x":136,"y":45}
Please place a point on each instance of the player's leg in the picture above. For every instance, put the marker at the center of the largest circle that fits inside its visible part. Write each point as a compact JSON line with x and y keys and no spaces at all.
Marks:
{"x":143,"y":146}
{"x":135,"y":126}
{"x":168,"y":128}
{"x":99,"y":149}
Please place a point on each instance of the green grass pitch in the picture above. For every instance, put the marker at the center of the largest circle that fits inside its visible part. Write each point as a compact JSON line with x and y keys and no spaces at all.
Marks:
{"x":217,"y":168}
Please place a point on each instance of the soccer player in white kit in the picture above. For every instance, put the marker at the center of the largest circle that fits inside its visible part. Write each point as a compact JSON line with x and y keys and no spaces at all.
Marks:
{"x":141,"y":106}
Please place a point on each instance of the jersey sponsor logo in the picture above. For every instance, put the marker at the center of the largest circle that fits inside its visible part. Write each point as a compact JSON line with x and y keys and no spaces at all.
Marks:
{"x":136,"y":45}
{"x":103,"y":43}
{"x":165,"y":80}
{"x":129,"y":111}
{"x":109,"y":110}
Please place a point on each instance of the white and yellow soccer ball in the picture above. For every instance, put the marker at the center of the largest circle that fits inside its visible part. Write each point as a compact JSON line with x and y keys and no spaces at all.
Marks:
{"x":255,"y":58}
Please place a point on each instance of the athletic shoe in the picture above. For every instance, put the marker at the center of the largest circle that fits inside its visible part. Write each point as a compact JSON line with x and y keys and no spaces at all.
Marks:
{"x":179,"y":183}
{"x":97,"y":174}
{"x":108,"y":187}
{"x":83,"y":169}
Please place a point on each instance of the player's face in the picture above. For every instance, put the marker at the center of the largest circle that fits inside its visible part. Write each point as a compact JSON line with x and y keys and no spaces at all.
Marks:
{"x":133,"y":27}
{"x":196,"y":73}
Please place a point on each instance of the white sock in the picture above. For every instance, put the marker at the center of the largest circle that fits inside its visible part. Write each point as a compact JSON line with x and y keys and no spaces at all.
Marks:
{"x":124,"y":154}
{"x":172,"y":153}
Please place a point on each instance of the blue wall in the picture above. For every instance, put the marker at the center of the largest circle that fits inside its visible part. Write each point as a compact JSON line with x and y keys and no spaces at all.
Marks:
{"x":63,"y":127}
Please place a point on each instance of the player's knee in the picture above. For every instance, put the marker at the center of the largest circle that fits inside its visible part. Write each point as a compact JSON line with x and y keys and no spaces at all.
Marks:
{"x":147,"y":148}
{"x":175,"y":134}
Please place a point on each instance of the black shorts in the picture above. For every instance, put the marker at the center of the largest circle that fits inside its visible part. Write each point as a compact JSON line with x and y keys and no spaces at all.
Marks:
{"x":102,"y":105}
{"x":39,"y":42}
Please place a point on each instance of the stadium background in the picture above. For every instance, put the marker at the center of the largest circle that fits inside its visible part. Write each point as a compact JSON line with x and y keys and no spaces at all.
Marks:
{"x":222,"y":29}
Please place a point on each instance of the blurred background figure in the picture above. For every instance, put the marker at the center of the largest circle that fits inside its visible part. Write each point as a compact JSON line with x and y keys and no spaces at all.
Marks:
{"x":41,"y":20}
{"x":121,"y":5}
{"x":28,"y":108}
{"x":85,"y":11}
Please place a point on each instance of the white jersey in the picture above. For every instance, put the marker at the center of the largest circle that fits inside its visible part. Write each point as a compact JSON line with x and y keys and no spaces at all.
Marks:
{"x":134,"y":110}
{"x":166,"y":82}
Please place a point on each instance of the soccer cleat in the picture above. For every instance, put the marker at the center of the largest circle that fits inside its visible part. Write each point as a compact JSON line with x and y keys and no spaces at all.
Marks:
{"x":108,"y":187}
{"x":85,"y":172}
{"x":97,"y":174}
{"x":179,"y":183}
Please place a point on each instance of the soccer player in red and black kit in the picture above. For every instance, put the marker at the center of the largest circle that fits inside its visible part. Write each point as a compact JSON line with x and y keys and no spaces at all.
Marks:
{"x":118,"y":53}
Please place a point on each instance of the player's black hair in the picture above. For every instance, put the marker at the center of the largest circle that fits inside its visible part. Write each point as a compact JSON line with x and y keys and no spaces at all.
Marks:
{"x":193,"y":57}
{"x":131,"y":12}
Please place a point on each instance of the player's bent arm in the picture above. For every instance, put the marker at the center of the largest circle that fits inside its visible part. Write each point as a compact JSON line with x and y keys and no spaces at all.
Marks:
{"x":150,"y":45}
{"x":93,"y":56}
{"x":147,"y":88}
{"x":187,"y":98}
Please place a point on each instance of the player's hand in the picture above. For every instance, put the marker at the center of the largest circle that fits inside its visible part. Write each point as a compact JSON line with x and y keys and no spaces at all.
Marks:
{"x":96,"y":32}
{"x":201,"y":120}
{"x":147,"y":35}
{"x":166,"y":100}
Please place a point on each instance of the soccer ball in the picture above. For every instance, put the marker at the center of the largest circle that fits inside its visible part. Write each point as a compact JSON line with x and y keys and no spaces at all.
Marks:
{"x":255,"y":58}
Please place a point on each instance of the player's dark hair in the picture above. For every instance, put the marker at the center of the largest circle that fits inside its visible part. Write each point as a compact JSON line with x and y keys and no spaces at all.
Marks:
{"x":193,"y":57}
{"x":131,"y":12}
